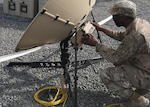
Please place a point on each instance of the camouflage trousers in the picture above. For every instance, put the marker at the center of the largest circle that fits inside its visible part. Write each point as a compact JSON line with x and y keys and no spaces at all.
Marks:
{"x":125,"y":79}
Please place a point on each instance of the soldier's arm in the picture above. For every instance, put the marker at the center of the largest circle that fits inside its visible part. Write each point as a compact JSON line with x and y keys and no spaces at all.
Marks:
{"x":117,"y":35}
{"x":126,"y":49}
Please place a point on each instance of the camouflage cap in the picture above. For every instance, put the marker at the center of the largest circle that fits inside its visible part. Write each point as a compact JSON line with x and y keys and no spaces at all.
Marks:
{"x":124,"y":7}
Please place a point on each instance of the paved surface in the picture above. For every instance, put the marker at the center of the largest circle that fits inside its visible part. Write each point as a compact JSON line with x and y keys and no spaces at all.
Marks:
{"x":18,"y":84}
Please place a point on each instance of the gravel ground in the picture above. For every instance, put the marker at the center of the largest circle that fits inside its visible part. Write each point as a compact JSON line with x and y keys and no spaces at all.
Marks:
{"x":18,"y":84}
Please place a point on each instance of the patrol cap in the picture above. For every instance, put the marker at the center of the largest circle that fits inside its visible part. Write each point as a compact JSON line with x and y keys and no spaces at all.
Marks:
{"x":124,"y":7}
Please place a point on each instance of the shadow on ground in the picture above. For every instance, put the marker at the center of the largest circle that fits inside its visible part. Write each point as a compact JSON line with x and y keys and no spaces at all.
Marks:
{"x":19,"y":87}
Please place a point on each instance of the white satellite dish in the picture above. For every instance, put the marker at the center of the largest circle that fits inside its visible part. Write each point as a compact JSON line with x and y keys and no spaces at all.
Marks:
{"x":55,"y":22}
{"x":45,"y":30}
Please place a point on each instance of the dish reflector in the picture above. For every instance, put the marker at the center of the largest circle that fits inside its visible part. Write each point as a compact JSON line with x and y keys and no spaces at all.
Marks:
{"x":55,"y":22}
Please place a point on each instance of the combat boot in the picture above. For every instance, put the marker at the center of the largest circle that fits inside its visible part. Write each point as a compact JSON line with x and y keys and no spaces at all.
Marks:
{"x":136,"y":100}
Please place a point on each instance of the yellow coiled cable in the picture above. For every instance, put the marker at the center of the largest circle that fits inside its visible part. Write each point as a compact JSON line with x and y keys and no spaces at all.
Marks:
{"x":54,"y":101}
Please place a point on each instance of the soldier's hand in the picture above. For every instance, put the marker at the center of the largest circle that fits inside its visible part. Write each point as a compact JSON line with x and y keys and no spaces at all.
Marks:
{"x":90,"y":40}
{"x":97,"y":26}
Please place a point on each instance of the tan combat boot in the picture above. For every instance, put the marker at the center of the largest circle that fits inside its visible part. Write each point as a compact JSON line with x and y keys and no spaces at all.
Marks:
{"x":136,"y":100}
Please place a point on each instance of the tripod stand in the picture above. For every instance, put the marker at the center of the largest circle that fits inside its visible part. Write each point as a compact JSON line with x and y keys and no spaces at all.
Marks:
{"x":64,"y":63}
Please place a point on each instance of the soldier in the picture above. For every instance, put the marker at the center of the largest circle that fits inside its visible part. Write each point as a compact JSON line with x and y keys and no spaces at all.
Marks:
{"x":130,"y":76}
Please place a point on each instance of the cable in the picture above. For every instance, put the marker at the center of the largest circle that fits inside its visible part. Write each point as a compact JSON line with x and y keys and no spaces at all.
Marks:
{"x":98,"y":35}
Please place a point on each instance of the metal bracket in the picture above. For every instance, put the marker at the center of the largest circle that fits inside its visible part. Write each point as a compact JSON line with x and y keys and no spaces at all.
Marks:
{"x":11,"y":5}
{"x":80,"y":64}
{"x":23,"y":7}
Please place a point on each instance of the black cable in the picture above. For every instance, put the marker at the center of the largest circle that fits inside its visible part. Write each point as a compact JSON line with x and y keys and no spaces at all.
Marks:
{"x":98,"y":35}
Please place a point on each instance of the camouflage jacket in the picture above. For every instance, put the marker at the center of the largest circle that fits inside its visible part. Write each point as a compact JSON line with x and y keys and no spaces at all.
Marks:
{"x":134,"y":47}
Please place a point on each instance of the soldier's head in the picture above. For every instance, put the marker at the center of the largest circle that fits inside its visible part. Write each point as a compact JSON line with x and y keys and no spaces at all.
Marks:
{"x":123,"y":10}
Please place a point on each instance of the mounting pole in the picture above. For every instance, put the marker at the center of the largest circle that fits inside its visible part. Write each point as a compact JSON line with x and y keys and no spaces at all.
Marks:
{"x":65,"y":63}
{"x":75,"y":75}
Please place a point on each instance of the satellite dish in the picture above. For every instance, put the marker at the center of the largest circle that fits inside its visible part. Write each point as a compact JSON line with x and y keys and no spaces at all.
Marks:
{"x":55,"y":22}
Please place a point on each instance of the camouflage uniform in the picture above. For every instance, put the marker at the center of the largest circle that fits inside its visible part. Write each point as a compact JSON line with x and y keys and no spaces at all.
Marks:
{"x":131,"y":59}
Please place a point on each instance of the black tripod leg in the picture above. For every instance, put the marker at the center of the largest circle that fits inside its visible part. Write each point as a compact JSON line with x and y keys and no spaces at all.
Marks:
{"x":65,"y":65}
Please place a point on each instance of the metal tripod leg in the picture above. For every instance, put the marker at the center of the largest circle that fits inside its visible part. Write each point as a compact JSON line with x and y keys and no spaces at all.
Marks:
{"x":64,"y":86}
